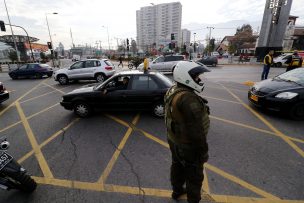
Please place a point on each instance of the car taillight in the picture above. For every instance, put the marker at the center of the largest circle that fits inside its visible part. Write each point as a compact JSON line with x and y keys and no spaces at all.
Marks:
{"x":108,"y":68}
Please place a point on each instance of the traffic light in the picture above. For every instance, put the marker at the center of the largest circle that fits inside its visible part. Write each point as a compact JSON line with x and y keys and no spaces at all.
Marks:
{"x":127,"y":41}
{"x":173,"y":45}
{"x":170,"y":46}
{"x":172,"y":36}
{"x":49,"y":45}
{"x":212,"y":42}
{"x":2,"y":26}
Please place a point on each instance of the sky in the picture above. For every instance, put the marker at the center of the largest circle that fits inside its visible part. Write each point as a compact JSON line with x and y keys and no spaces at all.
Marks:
{"x":92,"y":20}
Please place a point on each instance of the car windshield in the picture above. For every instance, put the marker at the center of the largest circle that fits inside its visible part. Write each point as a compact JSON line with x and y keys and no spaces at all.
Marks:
{"x":296,"y":76}
{"x":167,"y":80}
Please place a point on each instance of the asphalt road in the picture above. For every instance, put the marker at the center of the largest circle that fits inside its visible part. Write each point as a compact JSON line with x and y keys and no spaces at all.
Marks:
{"x":123,"y":157}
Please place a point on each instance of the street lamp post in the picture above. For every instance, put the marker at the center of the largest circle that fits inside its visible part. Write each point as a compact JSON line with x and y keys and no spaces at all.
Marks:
{"x":108,"y":35}
{"x":9,"y":21}
{"x":52,"y":50}
{"x":209,"y":38}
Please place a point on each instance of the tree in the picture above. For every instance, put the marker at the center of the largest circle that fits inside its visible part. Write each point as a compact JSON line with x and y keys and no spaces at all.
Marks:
{"x":243,"y":35}
{"x":12,"y":55}
{"x":133,"y":47}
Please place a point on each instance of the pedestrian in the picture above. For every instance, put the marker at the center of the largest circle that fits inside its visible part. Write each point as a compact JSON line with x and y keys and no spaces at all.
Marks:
{"x":294,"y":61}
{"x":187,"y":123}
{"x":120,"y":61}
{"x":268,"y":61}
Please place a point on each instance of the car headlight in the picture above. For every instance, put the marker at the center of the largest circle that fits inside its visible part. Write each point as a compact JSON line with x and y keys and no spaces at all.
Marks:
{"x":286,"y":95}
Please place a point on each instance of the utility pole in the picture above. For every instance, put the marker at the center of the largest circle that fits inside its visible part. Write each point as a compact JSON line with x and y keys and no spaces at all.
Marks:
{"x":72,"y":38}
{"x":9,"y":21}
{"x":209,"y":39}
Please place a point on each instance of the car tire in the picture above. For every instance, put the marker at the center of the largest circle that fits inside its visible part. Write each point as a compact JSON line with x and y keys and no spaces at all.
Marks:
{"x":82,"y":109}
{"x":99,"y":77}
{"x":49,"y":75}
{"x":214,"y":65}
{"x":14,"y":77}
{"x":158,"y":110}
{"x":62,"y":79}
{"x":297,"y":111}
{"x":279,"y":64}
{"x":173,"y":69}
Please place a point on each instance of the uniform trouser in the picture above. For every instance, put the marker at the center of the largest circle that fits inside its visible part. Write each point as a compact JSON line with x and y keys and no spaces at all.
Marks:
{"x":265,"y":72}
{"x":186,"y":167}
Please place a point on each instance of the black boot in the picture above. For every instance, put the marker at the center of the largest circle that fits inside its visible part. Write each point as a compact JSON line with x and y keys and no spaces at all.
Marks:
{"x":176,"y":194}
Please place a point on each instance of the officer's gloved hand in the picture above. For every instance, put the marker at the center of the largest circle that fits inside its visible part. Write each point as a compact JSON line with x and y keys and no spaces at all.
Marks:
{"x":205,"y":157}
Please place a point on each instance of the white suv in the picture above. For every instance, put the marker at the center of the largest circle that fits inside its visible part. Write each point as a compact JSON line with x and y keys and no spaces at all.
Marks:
{"x":90,"y":69}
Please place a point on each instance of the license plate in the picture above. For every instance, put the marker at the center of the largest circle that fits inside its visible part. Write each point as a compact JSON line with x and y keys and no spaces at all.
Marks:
{"x":5,"y":158}
{"x":254,"y":98}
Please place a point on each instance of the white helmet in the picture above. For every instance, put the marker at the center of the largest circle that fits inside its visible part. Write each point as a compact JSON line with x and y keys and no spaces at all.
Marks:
{"x":185,"y":72}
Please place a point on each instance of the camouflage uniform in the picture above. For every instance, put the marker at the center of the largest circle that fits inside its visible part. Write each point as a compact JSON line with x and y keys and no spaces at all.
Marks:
{"x":187,"y":122}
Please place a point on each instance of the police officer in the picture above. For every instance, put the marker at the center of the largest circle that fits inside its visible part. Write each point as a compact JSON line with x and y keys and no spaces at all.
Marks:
{"x":268,"y":61}
{"x":294,"y":61}
{"x":187,"y":122}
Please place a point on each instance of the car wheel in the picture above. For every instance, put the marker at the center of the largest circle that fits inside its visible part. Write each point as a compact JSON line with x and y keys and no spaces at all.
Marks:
{"x":14,"y":77}
{"x":173,"y":69}
{"x":38,"y":76}
{"x":49,"y":75}
{"x":82,"y":109}
{"x":63,"y":80}
{"x":100,"y":78}
{"x":297,"y":111}
{"x":279,"y":64}
{"x":214,"y":64}
{"x":159,"y":110}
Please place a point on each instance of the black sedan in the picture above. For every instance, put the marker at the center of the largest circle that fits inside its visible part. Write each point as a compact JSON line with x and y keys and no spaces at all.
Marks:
{"x":4,"y":95}
{"x":283,"y":93}
{"x":209,"y":61}
{"x":127,"y":90}
{"x":31,"y":70}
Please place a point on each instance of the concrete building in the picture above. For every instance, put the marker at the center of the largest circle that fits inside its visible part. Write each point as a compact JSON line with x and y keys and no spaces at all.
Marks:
{"x":186,"y":36}
{"x":156,"y":23}
{"x":273,"y":28}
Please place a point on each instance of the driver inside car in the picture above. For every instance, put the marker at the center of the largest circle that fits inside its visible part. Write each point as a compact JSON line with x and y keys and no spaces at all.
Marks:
{"x":118,"y":85}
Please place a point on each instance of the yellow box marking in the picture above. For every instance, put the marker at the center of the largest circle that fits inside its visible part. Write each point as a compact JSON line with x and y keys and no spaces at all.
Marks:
{"x":41,"y":160}
{"x":267,"y":123}
{"x":114,"y":158}
{"x":58,"y":90}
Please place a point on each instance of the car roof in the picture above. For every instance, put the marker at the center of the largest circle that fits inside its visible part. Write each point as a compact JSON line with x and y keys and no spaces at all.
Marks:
{"x":94,"y":60}
{"x":136,"y":72}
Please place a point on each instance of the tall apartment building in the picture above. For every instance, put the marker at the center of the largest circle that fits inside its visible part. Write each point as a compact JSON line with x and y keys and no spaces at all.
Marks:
{"x":186,"y":36}
{"x":156,"y":23}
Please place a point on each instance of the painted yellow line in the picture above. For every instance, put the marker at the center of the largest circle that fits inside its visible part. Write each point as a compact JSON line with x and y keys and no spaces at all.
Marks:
{"x":42,"y":111}
{"x":70,"y":184}
{"x":12,"y":104}
{"x":233,"y":178}
{"x":154,"y":192}
{"x":114,"y":158}
{"x":29,"y":117}
{"x":118,"y":120}
{"x":274,"y":129}
{"x":206,"y":183}
{"x":220,"y":88}
{"x":41,"y":160}
{"x":236,"y":199}
{"x":253,"y":128}
{"x":159,"y":141}
{"x":249,"y":83}
{"x":240,"y":182}
{"x":219,"y":99}
{"x":58,"y":90}
{"x":52,"y":137}
{"x":10,"y":126}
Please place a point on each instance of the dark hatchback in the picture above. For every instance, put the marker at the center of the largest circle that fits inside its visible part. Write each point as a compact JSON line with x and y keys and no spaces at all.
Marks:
{"x":144,"y":91}
{"x":209,"y":61}
{"x":283,"y":93}
{"x":31,"y":70}
{"x":4,"y":95}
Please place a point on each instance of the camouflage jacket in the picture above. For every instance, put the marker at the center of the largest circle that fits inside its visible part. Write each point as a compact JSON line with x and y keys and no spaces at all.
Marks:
{"x":187,"y":118}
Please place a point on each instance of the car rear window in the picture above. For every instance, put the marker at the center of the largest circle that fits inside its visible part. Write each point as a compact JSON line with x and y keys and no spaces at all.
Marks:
{"x":109,"y":63}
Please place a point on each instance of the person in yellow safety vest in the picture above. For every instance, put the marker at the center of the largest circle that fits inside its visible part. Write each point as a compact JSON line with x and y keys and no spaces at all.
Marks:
{"x":294,"y":61}
{"x":146,"y":64}
{"x":268,"y":60}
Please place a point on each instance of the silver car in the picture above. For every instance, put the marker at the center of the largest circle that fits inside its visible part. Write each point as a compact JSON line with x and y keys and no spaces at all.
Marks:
{"x":164,"y":63}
